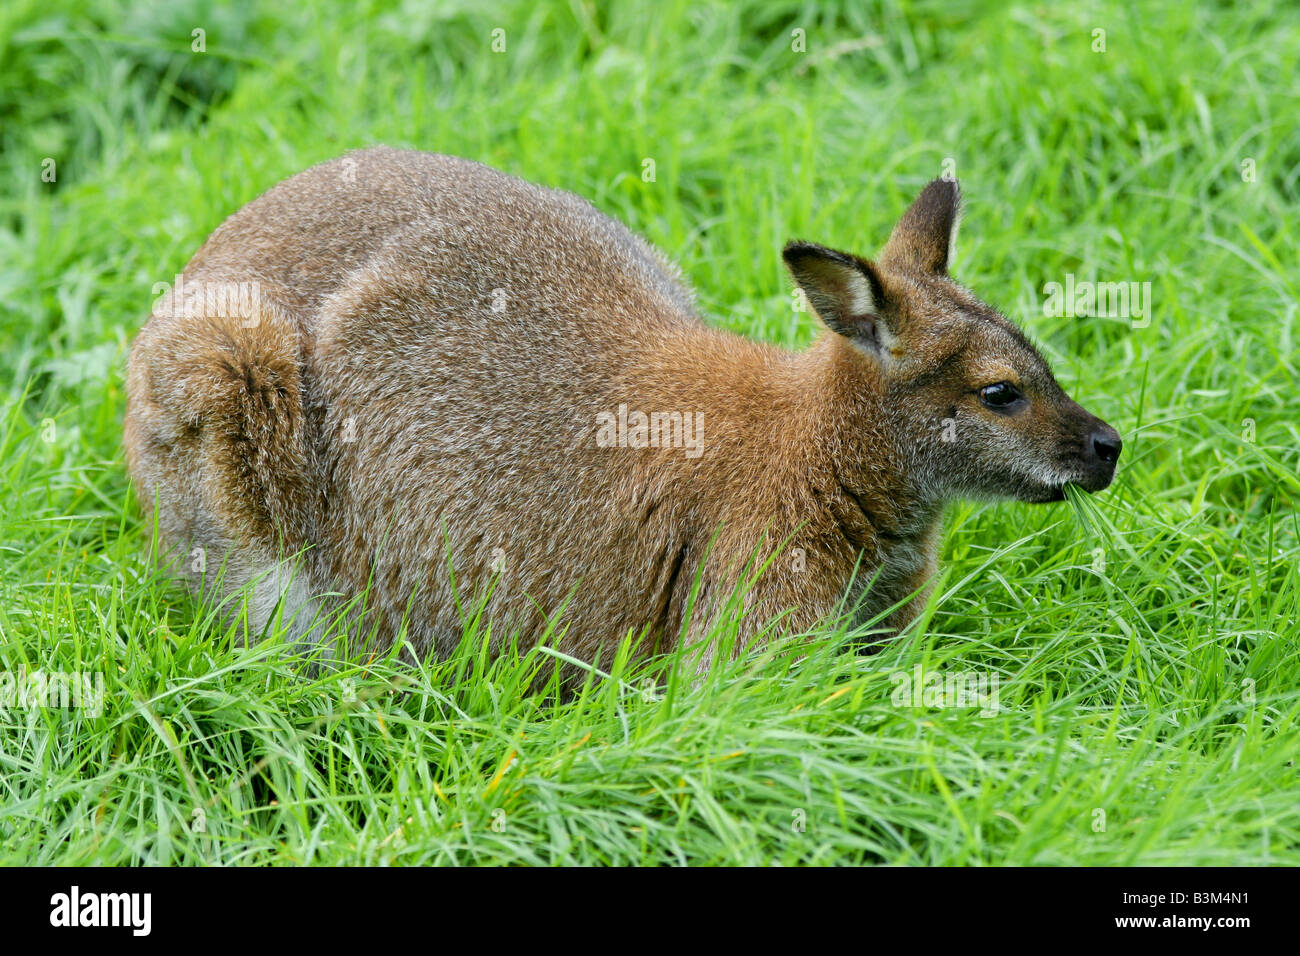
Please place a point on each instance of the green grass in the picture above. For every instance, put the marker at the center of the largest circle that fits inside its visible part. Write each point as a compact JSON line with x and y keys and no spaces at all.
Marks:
{"x":1145,"y":640}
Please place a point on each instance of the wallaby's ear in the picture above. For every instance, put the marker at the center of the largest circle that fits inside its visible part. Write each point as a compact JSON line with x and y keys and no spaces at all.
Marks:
{"x":843,"y":290}
{"x":923,"y":239}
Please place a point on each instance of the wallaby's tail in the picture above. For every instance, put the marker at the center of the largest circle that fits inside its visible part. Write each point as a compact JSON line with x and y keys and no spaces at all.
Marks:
{"x":217,"y":432}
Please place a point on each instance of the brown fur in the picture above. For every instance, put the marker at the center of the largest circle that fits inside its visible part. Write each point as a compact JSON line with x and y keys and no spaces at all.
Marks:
{"x":421,"y":378}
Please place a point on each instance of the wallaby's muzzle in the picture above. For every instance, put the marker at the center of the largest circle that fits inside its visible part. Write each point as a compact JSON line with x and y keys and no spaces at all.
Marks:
{"x":1101,"y":456}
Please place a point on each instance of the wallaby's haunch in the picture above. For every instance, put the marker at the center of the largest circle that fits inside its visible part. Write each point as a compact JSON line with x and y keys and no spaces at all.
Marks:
{"x":398,"y":363}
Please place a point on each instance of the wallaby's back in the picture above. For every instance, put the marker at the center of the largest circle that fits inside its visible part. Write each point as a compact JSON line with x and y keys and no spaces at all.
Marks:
{"x":310,"y":232}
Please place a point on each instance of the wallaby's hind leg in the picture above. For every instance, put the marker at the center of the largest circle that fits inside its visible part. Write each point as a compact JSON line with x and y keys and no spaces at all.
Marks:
{"x":216,"y":441}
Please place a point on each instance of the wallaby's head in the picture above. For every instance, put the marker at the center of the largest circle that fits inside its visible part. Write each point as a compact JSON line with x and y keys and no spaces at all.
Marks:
{"x":966,"y":397}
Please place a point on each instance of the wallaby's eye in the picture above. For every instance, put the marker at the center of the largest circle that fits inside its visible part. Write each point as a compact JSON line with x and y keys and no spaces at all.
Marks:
{"x":1000,"y":396}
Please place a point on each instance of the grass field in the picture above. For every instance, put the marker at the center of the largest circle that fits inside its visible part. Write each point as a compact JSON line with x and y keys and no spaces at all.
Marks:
{"x":1145,"y":641}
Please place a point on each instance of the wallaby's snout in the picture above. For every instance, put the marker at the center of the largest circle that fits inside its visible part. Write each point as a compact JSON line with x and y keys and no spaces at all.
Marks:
{"x":1104,"y":446}
{"x":1072,"y":446}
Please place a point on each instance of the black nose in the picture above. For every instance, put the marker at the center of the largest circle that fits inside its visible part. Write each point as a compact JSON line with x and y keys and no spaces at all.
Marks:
{"x":1107,"y":444}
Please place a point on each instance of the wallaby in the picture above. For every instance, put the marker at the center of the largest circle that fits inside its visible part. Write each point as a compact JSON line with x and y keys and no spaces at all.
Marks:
{"x":413,"y":382}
